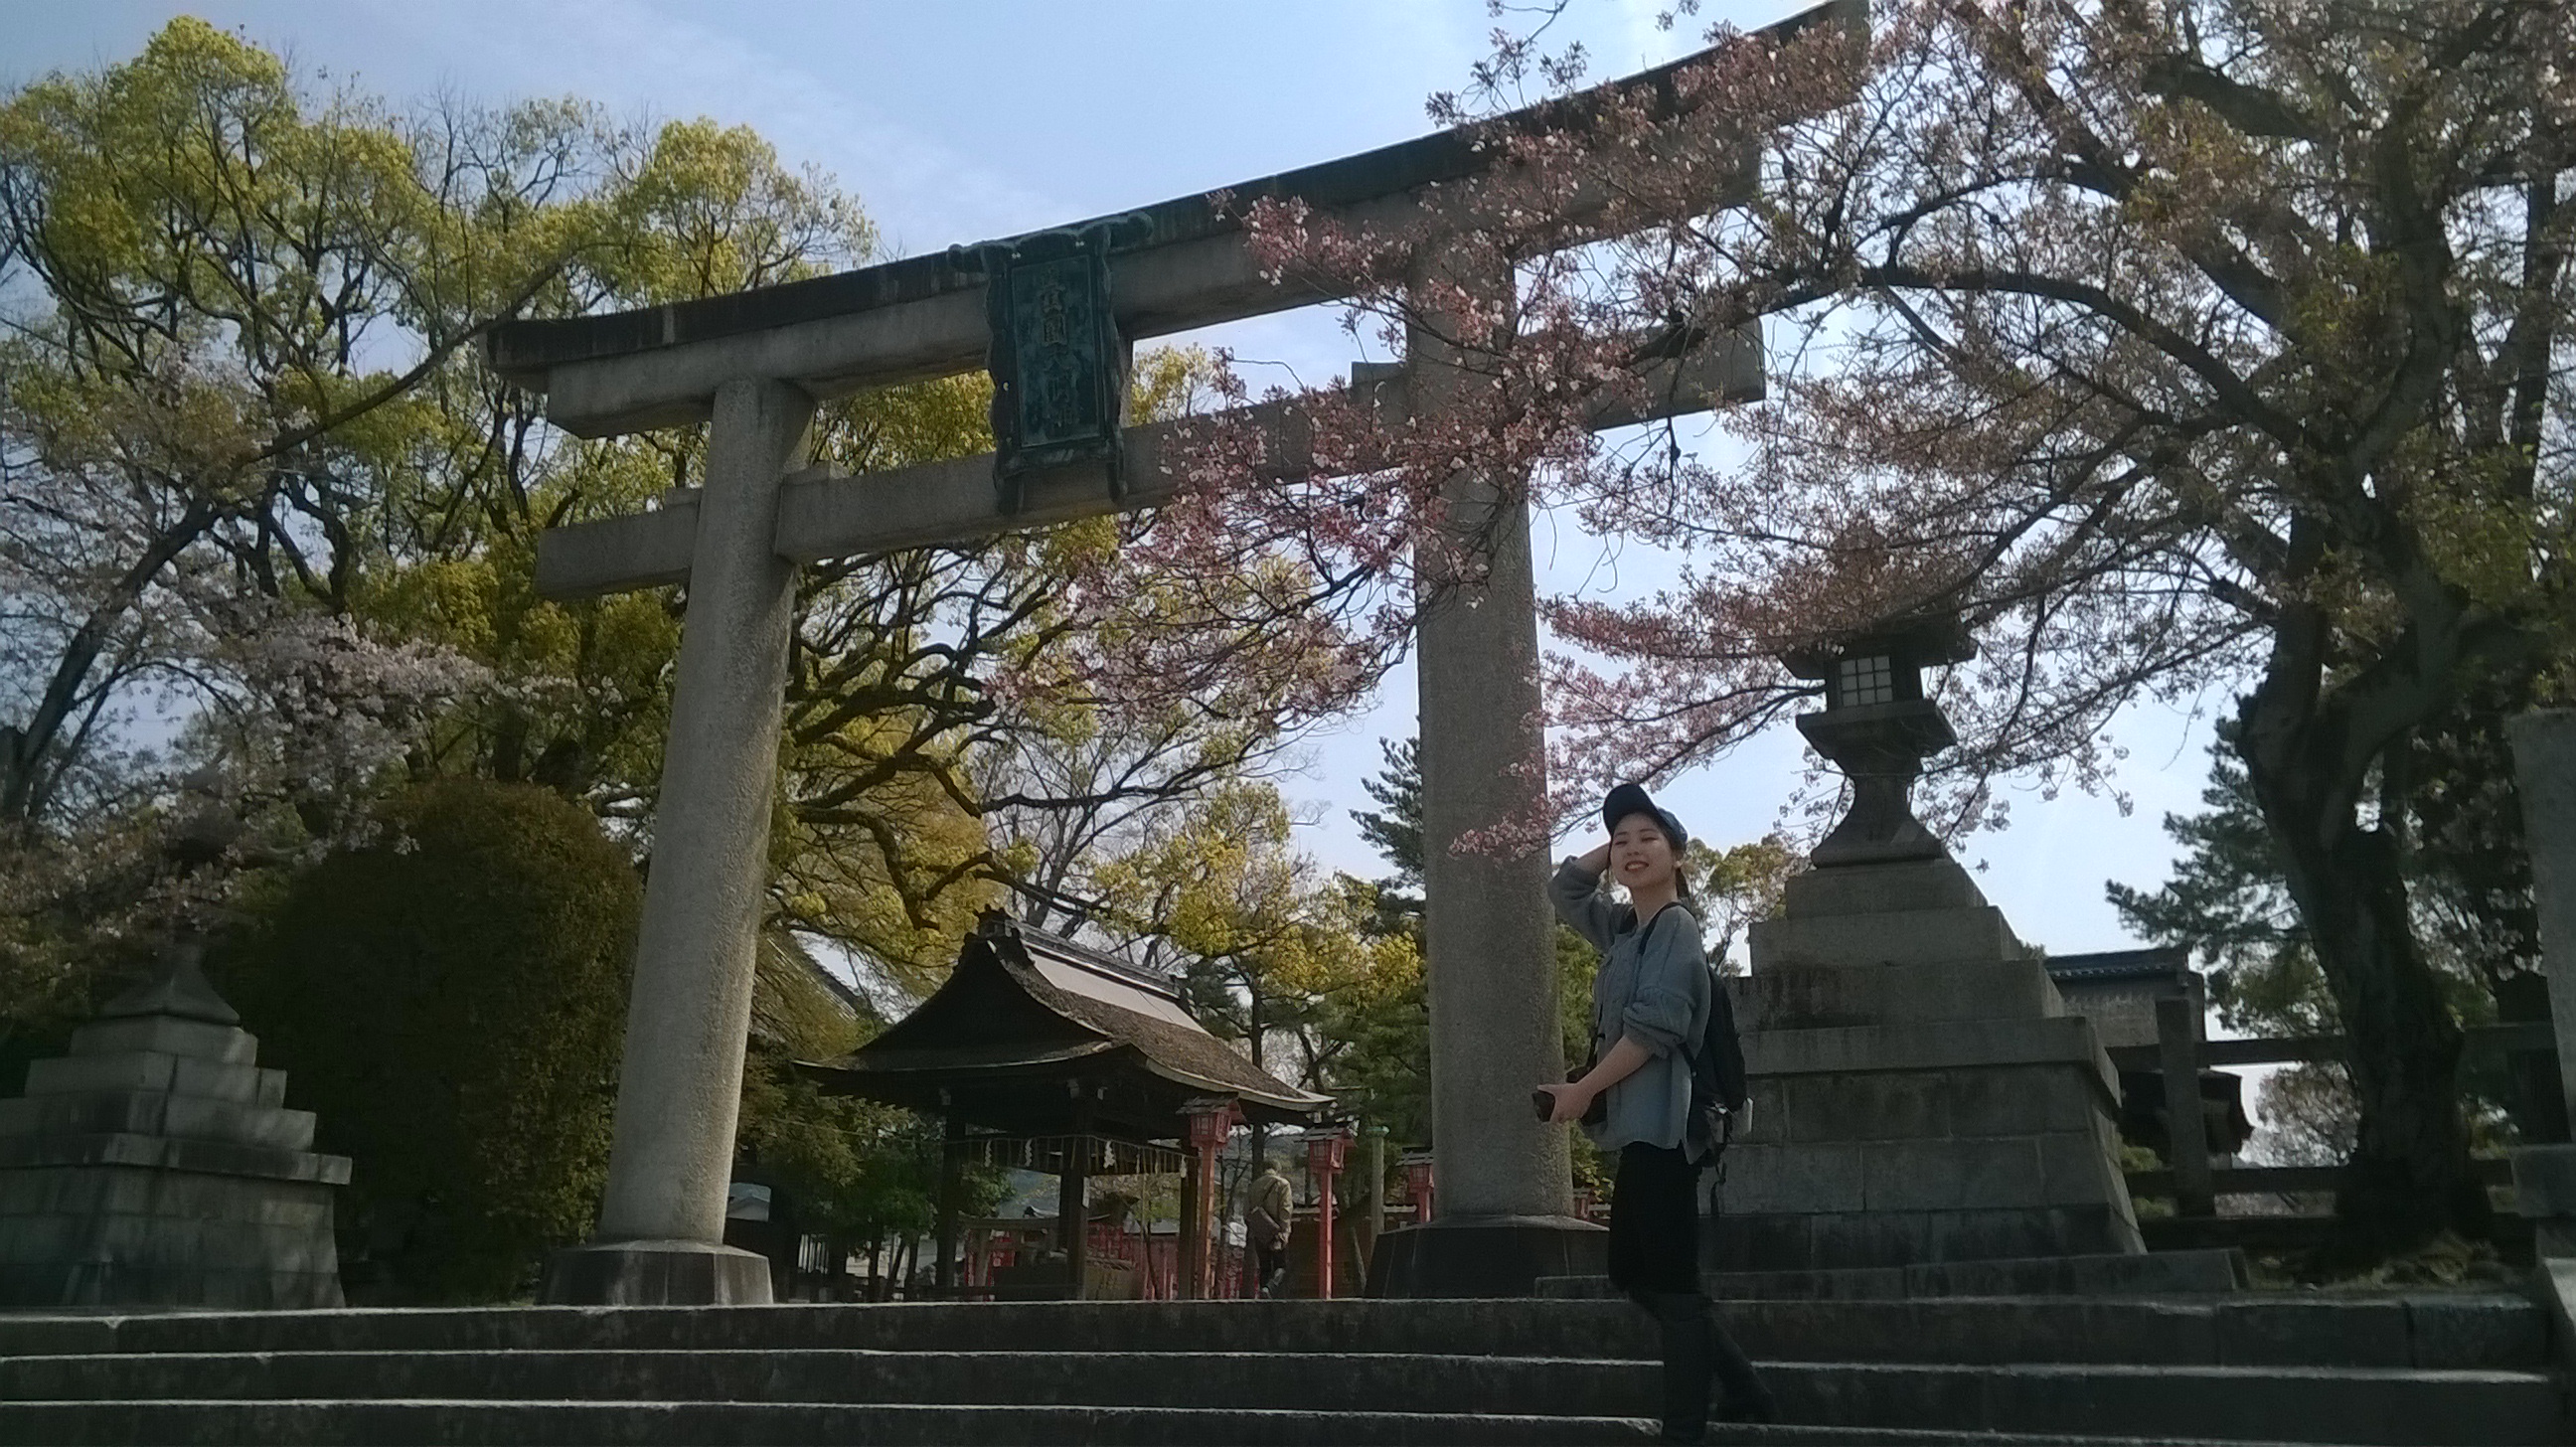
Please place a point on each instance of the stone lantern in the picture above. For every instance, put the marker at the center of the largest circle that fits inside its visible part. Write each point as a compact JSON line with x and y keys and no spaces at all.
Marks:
{"x":1878,"y":728}
{"x":1931,"y":1099}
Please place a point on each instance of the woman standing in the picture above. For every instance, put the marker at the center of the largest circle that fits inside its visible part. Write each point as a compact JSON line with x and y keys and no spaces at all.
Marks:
{"x":1650,"y":1005}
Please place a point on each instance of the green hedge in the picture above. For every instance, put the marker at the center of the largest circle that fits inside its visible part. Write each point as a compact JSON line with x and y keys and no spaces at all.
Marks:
{"x":450,"y":1000}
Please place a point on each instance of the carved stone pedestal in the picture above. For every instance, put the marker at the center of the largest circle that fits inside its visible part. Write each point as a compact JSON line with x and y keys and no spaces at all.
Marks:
{"x":1920,"y":1093}
{"x":154,"y":1166}
{"x":655,"y":1273}
{"x":1455,"y":1256}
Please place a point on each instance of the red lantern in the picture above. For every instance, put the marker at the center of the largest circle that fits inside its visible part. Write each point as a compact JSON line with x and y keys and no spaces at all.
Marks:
{"x":1325,"y":1151}
{"x":1418,"y":1182}
{"x":1211,"y":1120}
{"x":1211,"y":1125}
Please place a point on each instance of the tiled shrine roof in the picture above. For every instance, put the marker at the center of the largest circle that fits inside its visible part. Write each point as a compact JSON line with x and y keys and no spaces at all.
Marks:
{"x":2161,"y":962}
{"x":1025,"y":1013}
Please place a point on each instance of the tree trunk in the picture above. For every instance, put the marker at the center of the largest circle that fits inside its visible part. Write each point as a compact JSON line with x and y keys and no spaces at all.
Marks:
{"x":2409,"y":1175}
{"x":25,"y":779}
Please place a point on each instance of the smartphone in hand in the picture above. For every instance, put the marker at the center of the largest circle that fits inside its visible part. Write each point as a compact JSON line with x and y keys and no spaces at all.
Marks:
{"x":1543,"y":1102}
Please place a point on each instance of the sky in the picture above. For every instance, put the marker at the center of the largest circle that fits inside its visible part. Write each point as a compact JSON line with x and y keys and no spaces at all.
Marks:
{"x":966,"y":120}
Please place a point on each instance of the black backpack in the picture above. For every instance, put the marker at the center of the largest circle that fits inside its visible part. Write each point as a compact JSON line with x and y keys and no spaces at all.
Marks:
{"x":1718,"y":1088}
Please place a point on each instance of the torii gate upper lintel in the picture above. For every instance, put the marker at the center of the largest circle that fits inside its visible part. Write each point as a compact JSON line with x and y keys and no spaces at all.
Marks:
{"x":754,"y":364}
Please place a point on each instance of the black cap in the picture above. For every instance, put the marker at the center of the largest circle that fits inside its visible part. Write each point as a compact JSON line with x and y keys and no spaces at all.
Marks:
{"x":1628,"y":799}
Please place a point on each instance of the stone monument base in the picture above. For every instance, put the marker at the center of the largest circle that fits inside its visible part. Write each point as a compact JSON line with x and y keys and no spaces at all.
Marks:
{"x":1457,"y":1256}
{"x":1920,"y":1094}
{"x":157,"y":1166}
{"x":655,"y":1273}
{"x":2544,"y":1192}
{"x":1862,"y":1239}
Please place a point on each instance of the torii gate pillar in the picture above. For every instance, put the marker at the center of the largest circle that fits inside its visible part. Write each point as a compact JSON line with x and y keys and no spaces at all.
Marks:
{"x":1505,"y":1214}
{"x":661,"y":1228}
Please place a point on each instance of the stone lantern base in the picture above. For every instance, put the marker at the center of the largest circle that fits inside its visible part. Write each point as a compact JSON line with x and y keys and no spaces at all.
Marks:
{"x":1485,"y":1256}
{"x":1920,"y":1093}
{"x":155,"y":1167}
{"x":2544,"y":1192}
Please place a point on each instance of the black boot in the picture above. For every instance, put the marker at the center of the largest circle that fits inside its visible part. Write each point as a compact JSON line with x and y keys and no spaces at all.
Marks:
{"x":1687,"y":1328}
{"x":1697,"y":1347}
{"x":1747,"y":1399}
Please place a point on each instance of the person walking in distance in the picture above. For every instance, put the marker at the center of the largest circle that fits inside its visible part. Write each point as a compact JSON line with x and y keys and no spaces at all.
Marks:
{"x":1652,"y":1007}
{"x":1265,"y":1225}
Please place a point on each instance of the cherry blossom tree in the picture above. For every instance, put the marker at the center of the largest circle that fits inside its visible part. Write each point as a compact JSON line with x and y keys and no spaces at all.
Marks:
{"x":234,"y":290}
{"x":2177,"y":346}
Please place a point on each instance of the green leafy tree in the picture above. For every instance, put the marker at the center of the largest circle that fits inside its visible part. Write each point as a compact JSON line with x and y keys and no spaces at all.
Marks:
{"x":250,"y":457}
{"x":1394,"y":828}
{"x":1257,"y":936}
{"x":2228,"y":901}
{"x":1382,"y":1017}
{"x":449,"y":1000}
{"x":1738,"y":887}
{"x":230,"y":303}
{"x":240,"y":400}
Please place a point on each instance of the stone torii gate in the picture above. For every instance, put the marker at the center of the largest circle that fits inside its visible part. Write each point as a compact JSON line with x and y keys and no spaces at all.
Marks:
{"x":754,"y":364}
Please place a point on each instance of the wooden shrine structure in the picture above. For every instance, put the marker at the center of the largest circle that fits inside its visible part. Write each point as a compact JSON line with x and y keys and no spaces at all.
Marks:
{"x":1043,"y":1054}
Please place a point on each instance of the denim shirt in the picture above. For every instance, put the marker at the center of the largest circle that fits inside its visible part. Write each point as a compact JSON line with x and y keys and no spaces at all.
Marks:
{"x":1660,"y":1000}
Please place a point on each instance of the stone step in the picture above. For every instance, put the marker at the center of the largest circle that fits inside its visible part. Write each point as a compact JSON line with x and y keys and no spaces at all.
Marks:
{"x":2357,"y":1405}
{"x":724,"y":1424}
{"x":2427,"y":1330}
{"x":2156,"y":1273}
{"x":2320,"y":1404}
{"x":720,"y":1424}
{"x":1081,"y":1398}
{"x":1787,"y":1434}
{"x":2428,"y":1368}
{"x":1312,"y":1381}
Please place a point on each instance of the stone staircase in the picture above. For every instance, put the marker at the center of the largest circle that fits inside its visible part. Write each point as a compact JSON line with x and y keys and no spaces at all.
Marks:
{"x":2245,"y":1367}
{"x":2201,"y":1272}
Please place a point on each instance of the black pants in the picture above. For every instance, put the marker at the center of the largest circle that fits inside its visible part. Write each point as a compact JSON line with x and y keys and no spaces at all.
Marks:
{"x":1654,"y":1258}
{"x":1269,"y":1266}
